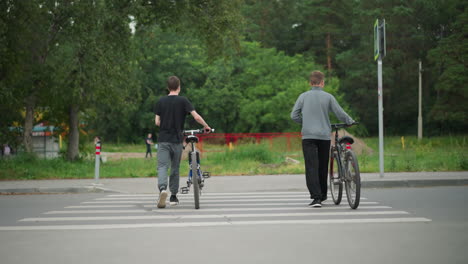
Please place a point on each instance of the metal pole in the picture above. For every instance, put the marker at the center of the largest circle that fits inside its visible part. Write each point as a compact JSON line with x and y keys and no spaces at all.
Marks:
{"x":380,"y":93}
{"x":98,"y":160}
{"x":420,"y":128}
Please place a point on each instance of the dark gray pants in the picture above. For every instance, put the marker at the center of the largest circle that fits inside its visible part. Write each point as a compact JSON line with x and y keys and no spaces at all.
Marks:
{"x":316,"y":156}
{"x":169,"y":155}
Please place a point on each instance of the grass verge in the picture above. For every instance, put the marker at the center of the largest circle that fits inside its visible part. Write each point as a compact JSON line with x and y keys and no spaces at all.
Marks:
{"x":434,"y":154}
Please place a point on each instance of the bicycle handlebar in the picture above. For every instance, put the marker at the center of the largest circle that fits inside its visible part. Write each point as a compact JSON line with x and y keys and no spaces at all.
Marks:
{"x":343,"y":125}
{"x":196,"y":131}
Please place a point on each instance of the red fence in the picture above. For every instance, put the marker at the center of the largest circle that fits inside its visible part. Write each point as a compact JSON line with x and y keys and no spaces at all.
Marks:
{"x":234,"y":138}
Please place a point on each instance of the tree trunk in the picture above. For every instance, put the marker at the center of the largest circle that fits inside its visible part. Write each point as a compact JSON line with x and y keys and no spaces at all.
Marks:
{"x":74,"y":134}
{"x":329,"y":62}
{"x":28,"y":123}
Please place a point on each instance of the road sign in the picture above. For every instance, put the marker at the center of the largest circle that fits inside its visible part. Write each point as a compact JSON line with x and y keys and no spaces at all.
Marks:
{"x":379,"y":39}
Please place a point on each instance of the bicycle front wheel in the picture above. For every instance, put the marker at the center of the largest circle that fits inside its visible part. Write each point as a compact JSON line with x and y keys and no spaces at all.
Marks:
{"x":334,"y":179}
{"x":352,"y":180}
{"x":195,"y":182}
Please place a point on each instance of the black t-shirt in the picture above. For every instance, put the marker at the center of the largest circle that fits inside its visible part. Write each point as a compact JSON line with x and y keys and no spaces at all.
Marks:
{"x":172,"y":110}
{"x":148,"y":139}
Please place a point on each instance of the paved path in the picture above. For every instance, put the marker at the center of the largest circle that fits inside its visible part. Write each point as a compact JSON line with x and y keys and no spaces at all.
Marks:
{"x":260,"y":183}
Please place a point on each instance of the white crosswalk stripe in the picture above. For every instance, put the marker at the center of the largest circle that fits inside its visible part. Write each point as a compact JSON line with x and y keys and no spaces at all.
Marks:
{"x":151,"y":205}
{"x":217,"y":209}
{"x":139,"y":211}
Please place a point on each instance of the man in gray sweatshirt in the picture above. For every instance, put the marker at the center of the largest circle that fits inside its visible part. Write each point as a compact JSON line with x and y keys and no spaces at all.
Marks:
{"x":312,"y":111}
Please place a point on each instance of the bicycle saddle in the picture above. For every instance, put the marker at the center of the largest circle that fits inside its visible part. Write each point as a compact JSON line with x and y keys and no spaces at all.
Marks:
{"x":346,"y":139}
{"x":191,"y":138}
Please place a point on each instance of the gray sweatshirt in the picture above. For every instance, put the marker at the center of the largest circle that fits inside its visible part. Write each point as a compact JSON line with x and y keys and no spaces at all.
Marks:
{"x":312,"y":109}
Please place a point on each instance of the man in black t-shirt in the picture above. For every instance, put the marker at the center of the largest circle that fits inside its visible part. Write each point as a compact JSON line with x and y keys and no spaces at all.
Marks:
{"x":170,"y":116}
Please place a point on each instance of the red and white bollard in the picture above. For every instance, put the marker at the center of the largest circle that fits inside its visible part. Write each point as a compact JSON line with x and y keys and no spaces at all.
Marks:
{"x":98,"y":161}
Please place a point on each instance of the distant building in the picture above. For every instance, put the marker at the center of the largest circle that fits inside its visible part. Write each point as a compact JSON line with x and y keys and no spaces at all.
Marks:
{"x":45,"y":144}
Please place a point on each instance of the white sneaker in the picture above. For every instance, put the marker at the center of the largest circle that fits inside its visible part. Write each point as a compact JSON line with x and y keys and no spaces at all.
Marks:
{"x":162,"y":199}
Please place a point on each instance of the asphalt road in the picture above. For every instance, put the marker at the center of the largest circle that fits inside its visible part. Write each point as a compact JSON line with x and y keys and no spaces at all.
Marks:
{"x":404,"y":225}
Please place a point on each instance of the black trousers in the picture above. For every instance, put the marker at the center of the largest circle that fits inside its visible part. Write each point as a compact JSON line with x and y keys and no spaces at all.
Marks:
{"x":316,"y":156}
{"x":148,"y":151}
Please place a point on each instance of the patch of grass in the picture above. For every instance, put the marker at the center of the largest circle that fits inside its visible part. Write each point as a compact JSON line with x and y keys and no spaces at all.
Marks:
{"x":462,"y":161}
{"x":128,"y":168}
{"x":251,"y":152}
{"x":27,"y":168}
{"x":113,"y":147}
{"x":430,"y":154}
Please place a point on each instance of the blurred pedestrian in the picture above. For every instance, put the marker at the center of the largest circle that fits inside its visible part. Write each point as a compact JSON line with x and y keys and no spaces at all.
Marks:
{"x":149,"y":142}
{"x":6,"y":150}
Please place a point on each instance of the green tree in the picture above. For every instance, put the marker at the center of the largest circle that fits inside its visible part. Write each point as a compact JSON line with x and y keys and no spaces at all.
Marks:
{"x":32,"y":28}
{"x":93,"y":64}
{"x":213,"y":27}
{"x":412,"y":29}
{"x":317,"y":28}
{"x":450,"y":58}
{"x":255,"y":91}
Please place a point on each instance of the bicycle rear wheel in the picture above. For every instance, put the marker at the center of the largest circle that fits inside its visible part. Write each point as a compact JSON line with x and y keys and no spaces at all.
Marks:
{"x":352,"y":180}
{"x":195,"y":178}
{"x":336,"y":186}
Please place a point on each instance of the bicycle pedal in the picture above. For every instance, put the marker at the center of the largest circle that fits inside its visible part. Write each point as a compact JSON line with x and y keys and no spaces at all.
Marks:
{"x":184,"y":190}
{"x":206,"y":174}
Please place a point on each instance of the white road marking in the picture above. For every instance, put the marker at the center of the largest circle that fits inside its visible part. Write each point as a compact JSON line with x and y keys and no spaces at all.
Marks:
{"x":181,"y":197}
{"x":218,"y":209}
{"x":202,"y":201}
{"x":215,"y":194}
{"x":179,"y":210}
{"x":180,"y":217}
{"x":234,"y":223}
{"x":153,"y":204}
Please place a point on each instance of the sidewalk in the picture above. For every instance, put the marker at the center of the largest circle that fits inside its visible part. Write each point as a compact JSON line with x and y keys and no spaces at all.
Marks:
{"x":259,"y":183}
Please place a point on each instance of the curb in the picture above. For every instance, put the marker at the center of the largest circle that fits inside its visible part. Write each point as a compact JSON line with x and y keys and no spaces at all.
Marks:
{"x":413,"y":183}
{"x":58,"y":190}
{"x":364,"y":184}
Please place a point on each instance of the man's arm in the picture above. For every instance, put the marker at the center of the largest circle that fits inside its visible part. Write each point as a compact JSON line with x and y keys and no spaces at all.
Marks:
{"x":296,"y":113}
{"x":340,"y":113}
{"x":157,"y":120}
{"x":200,"y":120}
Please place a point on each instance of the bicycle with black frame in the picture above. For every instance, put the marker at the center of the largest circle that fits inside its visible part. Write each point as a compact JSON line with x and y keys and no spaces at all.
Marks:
{"x":344,"y":169}
{"x":195,"y":176}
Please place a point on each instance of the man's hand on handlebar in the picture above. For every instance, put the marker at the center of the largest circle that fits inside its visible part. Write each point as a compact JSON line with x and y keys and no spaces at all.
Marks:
{"x":207,"y":130}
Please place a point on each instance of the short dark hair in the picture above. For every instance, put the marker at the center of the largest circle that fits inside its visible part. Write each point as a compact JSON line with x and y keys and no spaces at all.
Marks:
{"x":316,"y":77}
{"x":173,"y":83}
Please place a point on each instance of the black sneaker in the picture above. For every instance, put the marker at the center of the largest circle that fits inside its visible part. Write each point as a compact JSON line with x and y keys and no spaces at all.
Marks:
{"x":162,"y":199}
{"x":324,"y":198}
{"x":316,"y":203}
{"x":173,"y":200}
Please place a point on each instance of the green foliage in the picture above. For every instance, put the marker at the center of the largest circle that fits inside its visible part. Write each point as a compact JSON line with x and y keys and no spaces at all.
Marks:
{"x":250,"y":92}
{"x":415,"y":28}
{"x":78,"y":58}
{"x":216,"y":23}
{"x":451,"y":58}
{"x":242,"y":63}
